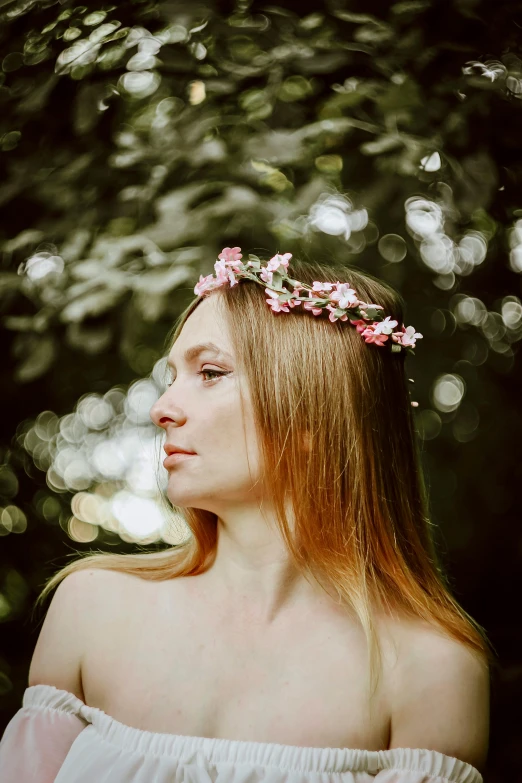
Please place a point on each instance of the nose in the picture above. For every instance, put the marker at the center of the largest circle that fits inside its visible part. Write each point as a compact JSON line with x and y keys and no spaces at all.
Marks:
{"x":165,"y":412}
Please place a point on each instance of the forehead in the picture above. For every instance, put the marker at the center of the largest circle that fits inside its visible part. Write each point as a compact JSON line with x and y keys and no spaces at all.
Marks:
{"x":206,"y":324}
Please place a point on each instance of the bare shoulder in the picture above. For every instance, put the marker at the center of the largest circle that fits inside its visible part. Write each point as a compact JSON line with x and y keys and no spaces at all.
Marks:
{"x":441,"y":695}
{"x":79,"y":607}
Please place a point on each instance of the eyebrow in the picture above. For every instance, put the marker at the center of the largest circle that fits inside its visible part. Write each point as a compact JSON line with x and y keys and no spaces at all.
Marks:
{"x":196,"y":350}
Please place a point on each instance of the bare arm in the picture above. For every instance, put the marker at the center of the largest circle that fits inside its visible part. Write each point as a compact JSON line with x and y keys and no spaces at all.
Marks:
{"x":441,"y":700}
{"x":58,"y":652}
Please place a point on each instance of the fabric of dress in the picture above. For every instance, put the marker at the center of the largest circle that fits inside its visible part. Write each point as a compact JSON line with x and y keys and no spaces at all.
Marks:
{"x":56,"y":737}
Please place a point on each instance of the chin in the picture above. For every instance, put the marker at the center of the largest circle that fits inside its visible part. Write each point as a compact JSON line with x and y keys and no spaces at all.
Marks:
{"x":186,"y":500}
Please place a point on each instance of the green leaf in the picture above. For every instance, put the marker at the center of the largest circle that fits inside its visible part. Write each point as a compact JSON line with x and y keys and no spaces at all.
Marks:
{"x":256,"y":263}
{"x":374,"y":313}
{"x":348,"y":16}
{"x":158,"y":281}
{"x":277,"y":281}
{"x":411,"y":7}
{"x":286,"y":297}
{"x":382,"y":144}
{"x":39,"y":353}
{"x":9,"y":281}
{"x":19,"y":323}
{"x":93,"y":304}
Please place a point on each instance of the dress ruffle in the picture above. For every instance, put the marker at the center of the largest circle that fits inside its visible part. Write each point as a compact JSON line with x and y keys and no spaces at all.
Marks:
{"x":204,"y":750}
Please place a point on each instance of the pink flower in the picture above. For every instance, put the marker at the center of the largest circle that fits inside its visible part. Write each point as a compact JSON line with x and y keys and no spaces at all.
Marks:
{"x":275,"y":304}
{"x":277,"y":307}
{"x":221,"y":272}
{"x":369,"y":304}
{"x":408,"y":336}
{"x":360,"y":325}
{"x":311,"y":306}
{"x":294,"y":302}
{"x":279,"y":260}
{"x":374,"y":337}
{"x":333,"y":317}
{"x":344,"y":296}
{"x":230,"y":256}
{"x":265,"y":275}
{"x":317,"y":286}
{"x":205,"y":284}
{"x":232,"y":278}
{"x":385,"y":327}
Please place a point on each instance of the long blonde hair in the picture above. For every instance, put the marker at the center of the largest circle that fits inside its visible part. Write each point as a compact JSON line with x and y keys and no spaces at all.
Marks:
{"x":361,"y":527}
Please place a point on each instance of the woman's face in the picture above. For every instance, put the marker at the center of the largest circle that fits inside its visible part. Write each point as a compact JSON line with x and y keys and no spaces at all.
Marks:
{"x":201,"y":412}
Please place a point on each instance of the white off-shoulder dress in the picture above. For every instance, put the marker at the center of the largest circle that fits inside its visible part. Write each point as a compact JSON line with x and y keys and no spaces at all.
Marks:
{"x":56,"y":737}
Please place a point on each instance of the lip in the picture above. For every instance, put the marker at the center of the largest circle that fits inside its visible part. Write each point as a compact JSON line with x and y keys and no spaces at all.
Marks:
{"x":171,"y":448}
{"x":175,"y":457}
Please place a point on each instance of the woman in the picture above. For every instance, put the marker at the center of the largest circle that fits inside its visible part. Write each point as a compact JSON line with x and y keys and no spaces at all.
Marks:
{"x":305,"y":631}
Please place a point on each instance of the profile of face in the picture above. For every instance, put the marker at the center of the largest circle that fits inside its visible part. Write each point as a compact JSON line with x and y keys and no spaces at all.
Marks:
{"x":201,"y":412}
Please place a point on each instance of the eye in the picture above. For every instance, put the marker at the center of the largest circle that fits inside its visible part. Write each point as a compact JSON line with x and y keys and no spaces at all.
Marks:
{"x":216,"y":373}
{"x":211,"y":372}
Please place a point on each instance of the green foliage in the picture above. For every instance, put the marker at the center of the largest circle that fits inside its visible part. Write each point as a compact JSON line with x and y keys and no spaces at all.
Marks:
{"x":131,"y":133}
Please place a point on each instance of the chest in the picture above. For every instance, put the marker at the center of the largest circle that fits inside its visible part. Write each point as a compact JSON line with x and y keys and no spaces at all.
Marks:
{"x":172,"y":668}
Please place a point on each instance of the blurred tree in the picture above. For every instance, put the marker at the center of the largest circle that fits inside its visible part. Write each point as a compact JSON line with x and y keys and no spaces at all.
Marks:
{"x":137,"y":140}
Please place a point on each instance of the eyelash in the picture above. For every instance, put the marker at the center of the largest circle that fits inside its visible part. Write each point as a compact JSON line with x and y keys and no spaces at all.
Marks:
{"x":205,"y":372}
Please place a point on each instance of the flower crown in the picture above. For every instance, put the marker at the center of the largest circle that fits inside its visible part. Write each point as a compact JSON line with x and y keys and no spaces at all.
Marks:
{"x":339,"y":298}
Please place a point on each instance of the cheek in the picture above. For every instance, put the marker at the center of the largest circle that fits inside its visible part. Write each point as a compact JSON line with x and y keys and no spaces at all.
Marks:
{"x":223,"y":432}
{"x":218,"y":423}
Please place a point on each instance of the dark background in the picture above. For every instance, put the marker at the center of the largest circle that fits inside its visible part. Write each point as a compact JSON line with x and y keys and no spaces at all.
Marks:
{"x":139,"y":139}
